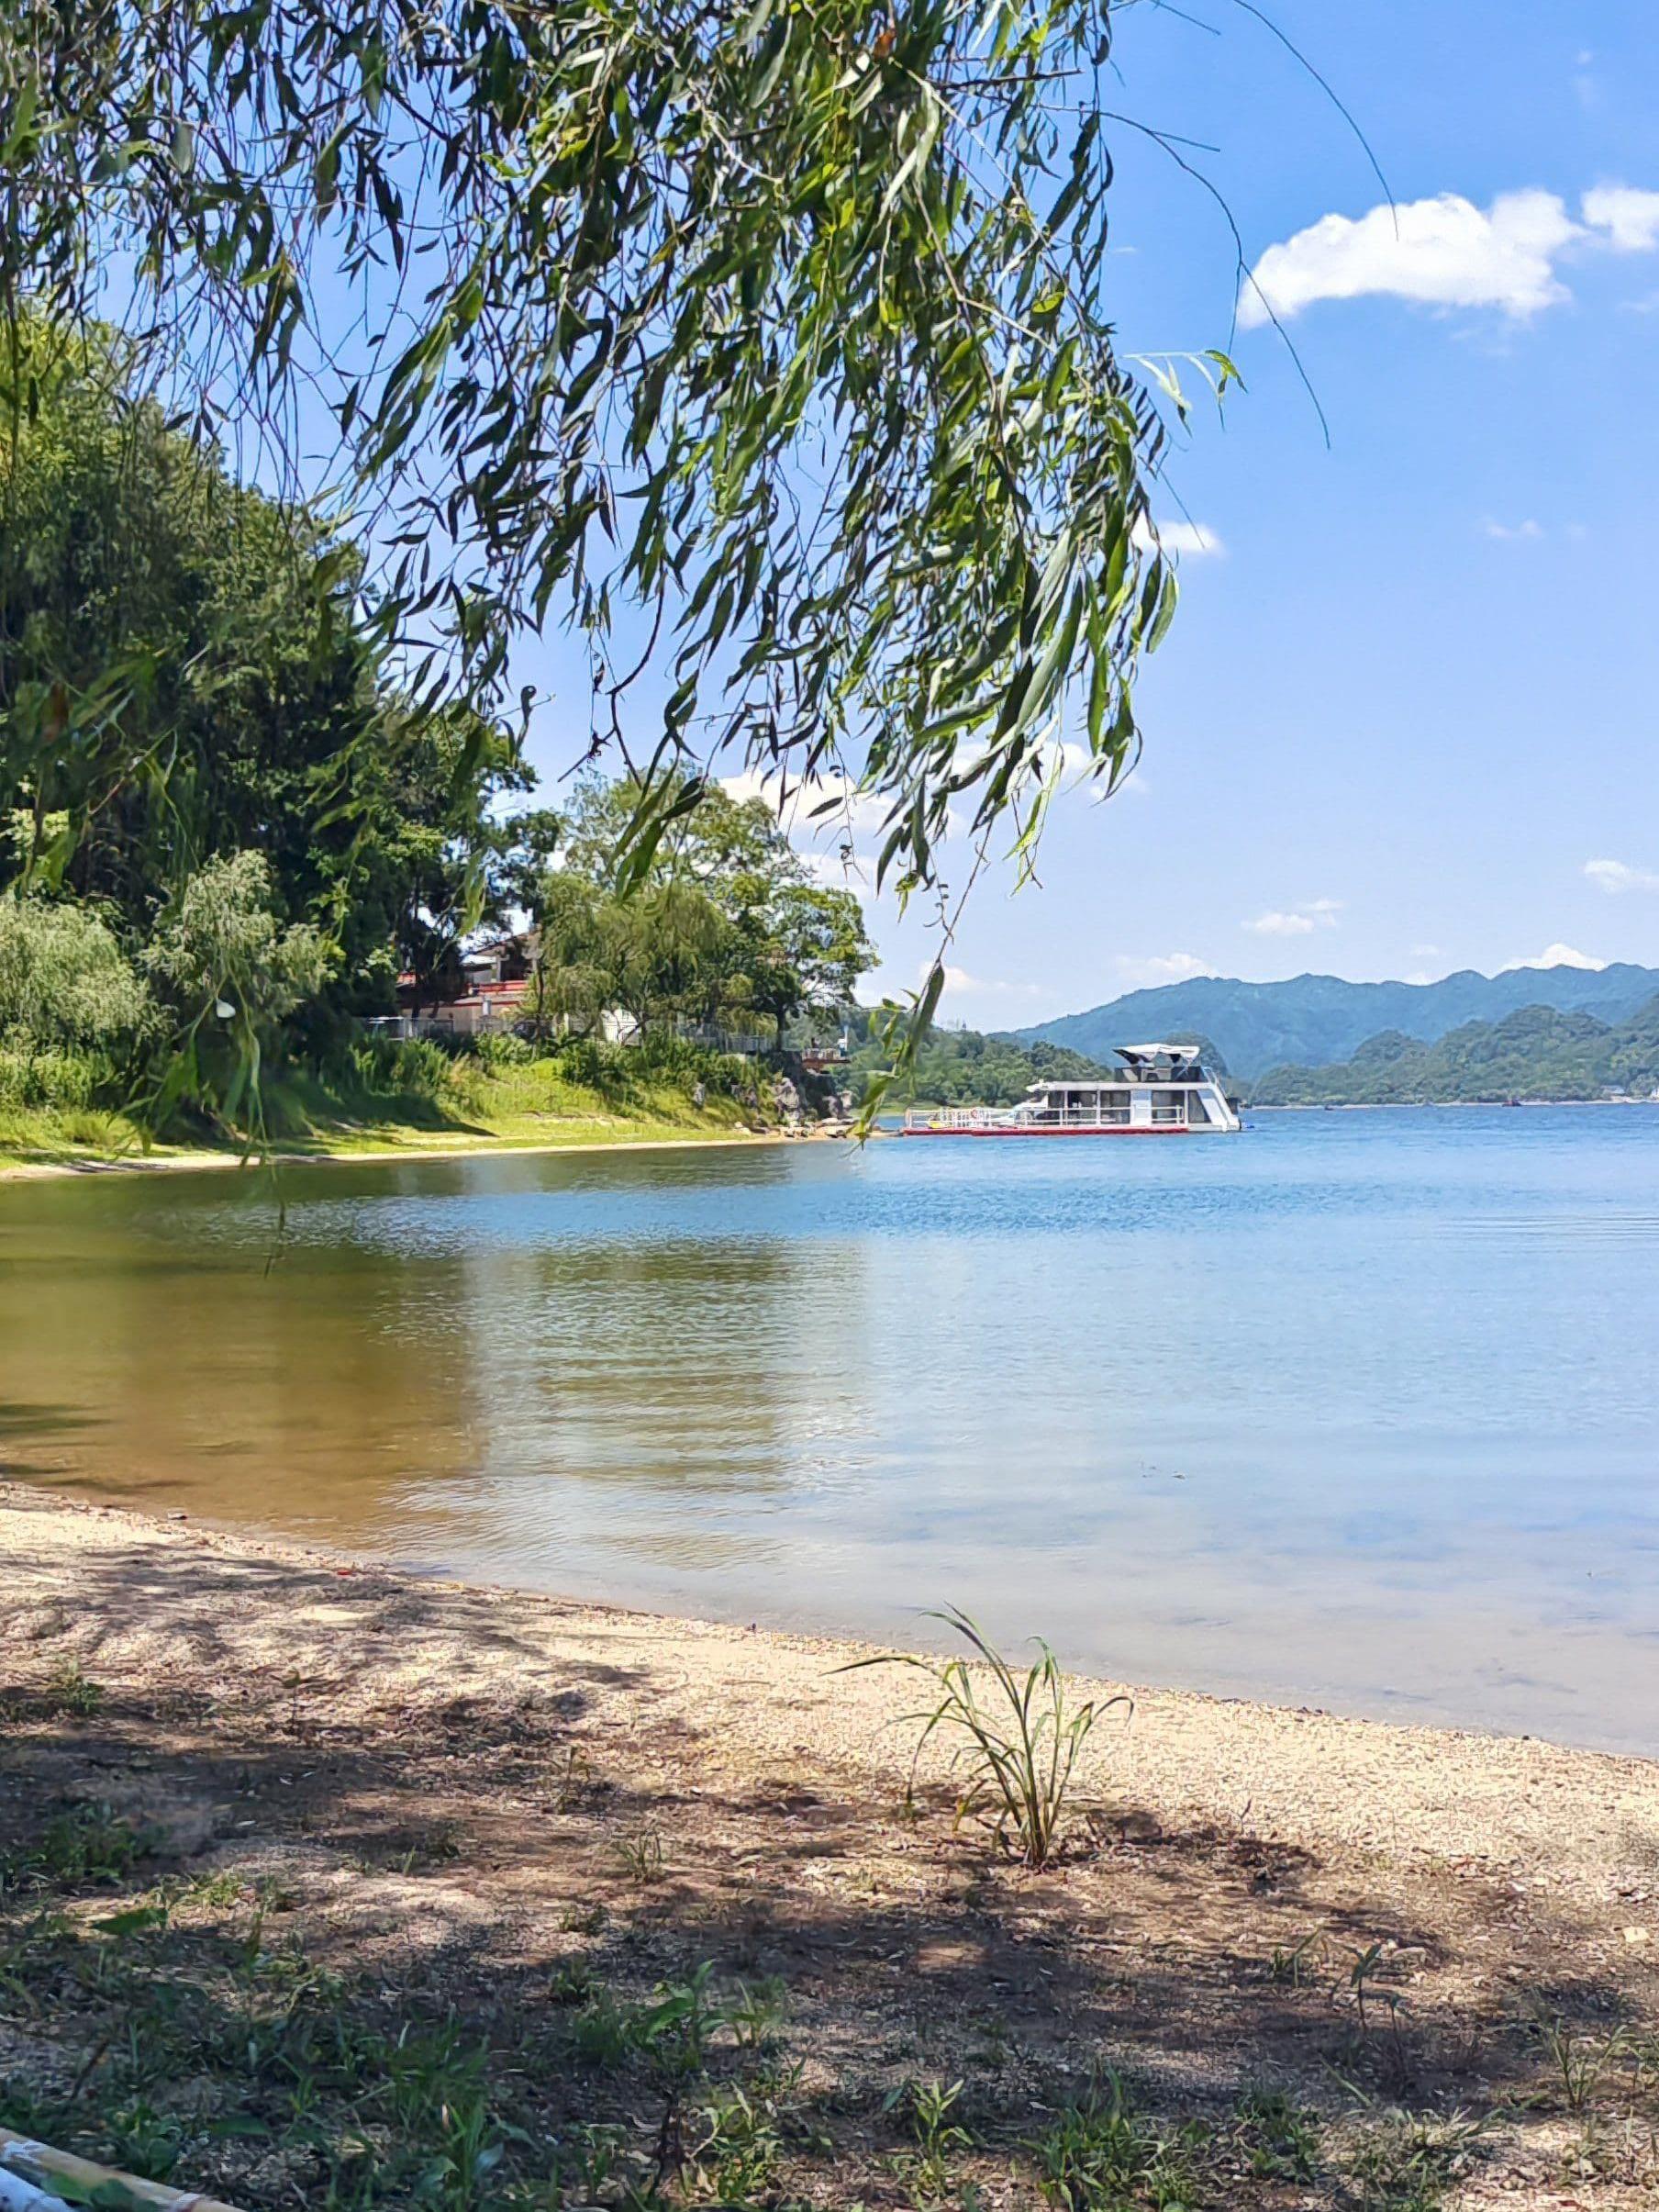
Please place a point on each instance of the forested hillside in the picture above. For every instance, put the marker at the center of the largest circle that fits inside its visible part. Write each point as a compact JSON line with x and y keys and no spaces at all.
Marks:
{"x":965,"y":1067}
{"x":1536,"y":1053}
{"x":1312,"y":1020}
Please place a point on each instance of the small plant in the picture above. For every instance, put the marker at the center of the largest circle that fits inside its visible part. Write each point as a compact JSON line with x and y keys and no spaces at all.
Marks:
{"x":1016,"y":1753}
{"x":70,"y":1689}
{"x":1282,"y":2140}
{"x":1580,"y":2060}
{"x":1100,"y":2156}
{"x":939,"y":2138}
{"x":641,"y":1857}
{"x":1407,"y":2162}
{"x":1294,"y":1966}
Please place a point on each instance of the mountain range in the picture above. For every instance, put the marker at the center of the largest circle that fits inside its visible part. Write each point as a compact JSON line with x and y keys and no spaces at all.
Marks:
{"x":1538,"y":1052}
{"x":1313,"y":1020}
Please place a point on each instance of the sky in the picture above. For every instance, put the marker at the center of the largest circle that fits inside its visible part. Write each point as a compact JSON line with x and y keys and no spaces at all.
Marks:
{"x":1403,"y":721}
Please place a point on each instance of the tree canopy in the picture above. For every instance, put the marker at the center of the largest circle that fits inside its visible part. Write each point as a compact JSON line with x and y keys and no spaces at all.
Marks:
{"x":724,"y":927}
{"x":782,"y":328}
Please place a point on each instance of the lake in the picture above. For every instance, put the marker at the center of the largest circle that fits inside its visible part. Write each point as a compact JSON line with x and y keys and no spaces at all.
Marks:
{"x":1358,"y":1410}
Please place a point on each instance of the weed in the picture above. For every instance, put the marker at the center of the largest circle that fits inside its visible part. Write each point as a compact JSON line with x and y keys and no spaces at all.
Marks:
{"x":571,"y":1983}
{"x":1580,"y":2060}
{"x":641,"y":1857}
{"x":737,"y":2158}
{"x":1297,"y":1964}
{"x":143,"y":2141}
{"x":601,"y":2032}
{"x":90,"y":1844}
{"x":756,"y":2014}
{"x":1100,"y":2156}
{"x":1407,"y":2162}
{"x":1017,"y":1754}
{"x":673,"y":2029}
{"x":939,"y":2138}
{"x":71,"y":1690}
{"x":1282,"y":2140}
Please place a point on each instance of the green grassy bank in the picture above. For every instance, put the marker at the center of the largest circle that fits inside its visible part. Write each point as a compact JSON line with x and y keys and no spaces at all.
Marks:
{"x":417,"y":1097}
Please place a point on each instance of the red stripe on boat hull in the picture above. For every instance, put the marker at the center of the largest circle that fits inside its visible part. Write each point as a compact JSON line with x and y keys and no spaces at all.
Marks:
{"x":1167,"y":1129}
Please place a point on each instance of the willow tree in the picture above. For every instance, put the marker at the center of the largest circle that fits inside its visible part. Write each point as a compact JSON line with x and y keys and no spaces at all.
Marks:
{"x":763,"y":340}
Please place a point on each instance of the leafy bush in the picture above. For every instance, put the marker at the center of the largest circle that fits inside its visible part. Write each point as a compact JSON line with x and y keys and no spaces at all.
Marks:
{"x":220,"y":939}
{"x":500,"y":1048}
{"x":54,"y":1078}
{"x":65,"y":984}
{"x":416,"y":1065}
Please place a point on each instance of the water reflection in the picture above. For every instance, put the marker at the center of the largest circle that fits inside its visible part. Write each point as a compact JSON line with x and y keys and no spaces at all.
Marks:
{"x":1356,"y":1409}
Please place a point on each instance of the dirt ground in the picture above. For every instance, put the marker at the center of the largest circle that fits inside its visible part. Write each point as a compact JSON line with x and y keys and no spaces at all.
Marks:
{"x":652,"y":1907}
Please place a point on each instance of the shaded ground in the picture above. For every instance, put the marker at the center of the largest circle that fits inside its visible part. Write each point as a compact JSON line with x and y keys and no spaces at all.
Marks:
{"x":329,"y":1885}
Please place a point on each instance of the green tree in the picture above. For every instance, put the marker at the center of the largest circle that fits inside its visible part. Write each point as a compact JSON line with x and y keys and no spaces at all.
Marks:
{"x":183,"y":668}
{"x":232,"y":973}
{"x":784,"y":326}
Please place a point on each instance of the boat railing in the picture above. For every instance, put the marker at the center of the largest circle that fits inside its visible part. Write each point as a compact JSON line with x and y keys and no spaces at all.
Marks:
{"x":958,"y":1117}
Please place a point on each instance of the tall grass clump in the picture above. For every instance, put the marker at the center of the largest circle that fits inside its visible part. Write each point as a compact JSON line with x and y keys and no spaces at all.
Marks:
{"x":1016,"y":1741}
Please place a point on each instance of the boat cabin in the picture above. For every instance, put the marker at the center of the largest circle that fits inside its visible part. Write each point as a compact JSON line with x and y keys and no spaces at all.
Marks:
{"x":1163,"y":1089}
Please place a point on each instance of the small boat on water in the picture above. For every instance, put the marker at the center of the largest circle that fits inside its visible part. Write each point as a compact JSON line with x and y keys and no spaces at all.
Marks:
{"x":1162,"y":1090}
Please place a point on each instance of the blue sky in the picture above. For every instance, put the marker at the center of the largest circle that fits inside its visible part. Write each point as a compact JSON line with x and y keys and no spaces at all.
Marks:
{"x":1409,"y":699}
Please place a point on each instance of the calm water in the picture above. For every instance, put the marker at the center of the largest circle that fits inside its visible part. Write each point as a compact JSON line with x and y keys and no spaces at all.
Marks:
{"x":1356,"y":1409}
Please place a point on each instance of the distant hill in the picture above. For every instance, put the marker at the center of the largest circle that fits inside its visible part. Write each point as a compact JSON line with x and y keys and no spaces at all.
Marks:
{"x":1539,"y":1052}
{"x":962,"y":1068}
{"x":1313,"y":1020}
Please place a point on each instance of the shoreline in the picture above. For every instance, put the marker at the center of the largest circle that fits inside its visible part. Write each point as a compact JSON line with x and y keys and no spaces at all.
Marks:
{"x":176,"y":1163}
{"x":1316,"y":1963}
{"x":1206,"y":1720}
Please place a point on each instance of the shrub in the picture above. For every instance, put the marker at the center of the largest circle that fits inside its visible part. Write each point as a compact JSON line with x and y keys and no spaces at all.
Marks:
{"x":65,"y":984}
{"x":57,"y":1076}
{"x":500,"y":1048}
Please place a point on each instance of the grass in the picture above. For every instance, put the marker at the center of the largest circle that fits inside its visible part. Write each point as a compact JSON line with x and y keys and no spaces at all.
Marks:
{"x":1102,"y":2156}
{"x":222,"y":2052}
{"x":1013,"y":1749}
{"x":441,"y":1101}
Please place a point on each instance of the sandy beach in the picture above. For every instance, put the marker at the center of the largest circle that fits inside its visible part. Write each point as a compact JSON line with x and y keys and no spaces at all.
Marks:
{"x":463,"y":1148}
{"x":624,"y":1796}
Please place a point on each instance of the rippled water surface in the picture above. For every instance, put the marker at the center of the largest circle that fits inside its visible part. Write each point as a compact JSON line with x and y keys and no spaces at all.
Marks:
{"x":1356,"y":1409}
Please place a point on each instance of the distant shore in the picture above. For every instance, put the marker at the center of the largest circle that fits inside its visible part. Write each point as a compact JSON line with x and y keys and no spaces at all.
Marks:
{"x":1436,"y":1105}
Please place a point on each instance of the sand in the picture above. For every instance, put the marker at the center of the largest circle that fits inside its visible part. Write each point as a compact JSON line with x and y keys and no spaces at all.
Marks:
{"x":1228,"y":1863}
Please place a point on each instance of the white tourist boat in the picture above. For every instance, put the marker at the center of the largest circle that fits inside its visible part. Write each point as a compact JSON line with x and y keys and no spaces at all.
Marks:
{"x":1162,"y":1090}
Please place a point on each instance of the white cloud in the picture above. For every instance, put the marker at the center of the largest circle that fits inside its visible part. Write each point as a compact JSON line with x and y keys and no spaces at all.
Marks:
{"x":1196,"y":540}
{"x":1425,"y":952}
{"x":1444,"y":252}
{"x":1628,"y":217}
{"x":1447,"y":253}
{"x":1614,"y":876}
{"x":1297,"y":921}
{"x":959,"y":983}
{"x":1161,"y":967}
{"x":1555,"y":955}
{"x":1529,"y":529}
{"x":798,"y":802}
